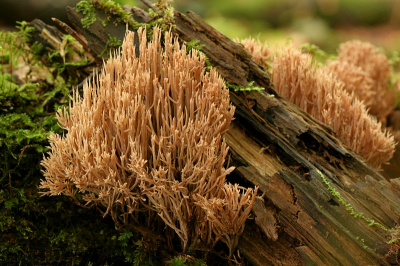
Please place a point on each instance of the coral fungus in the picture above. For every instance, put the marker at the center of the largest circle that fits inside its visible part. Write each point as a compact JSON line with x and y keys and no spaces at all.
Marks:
{"x":328,"y":93}
{"x":147,"y":138}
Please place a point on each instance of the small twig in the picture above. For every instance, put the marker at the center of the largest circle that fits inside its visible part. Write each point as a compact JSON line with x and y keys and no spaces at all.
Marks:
{"x":69,"y":30}
{"x":149,"y":4}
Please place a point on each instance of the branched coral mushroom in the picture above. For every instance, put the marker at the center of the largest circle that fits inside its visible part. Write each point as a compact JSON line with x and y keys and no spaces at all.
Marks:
{"x":319,"y":92}
{"x":367,"y":72}
{"x":260,"y":53}
{"x":147,"y":138}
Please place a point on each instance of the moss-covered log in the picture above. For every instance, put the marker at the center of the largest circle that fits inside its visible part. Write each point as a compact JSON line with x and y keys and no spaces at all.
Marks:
{"x":321,"y":204}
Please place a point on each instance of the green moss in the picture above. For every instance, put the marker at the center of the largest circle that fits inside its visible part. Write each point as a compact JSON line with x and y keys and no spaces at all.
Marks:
{"x":348,"y":206}
{"x":250,"y":87}
{"x":31,"y":229}
{"x":320,"y":56}
{"x":86,"y":8}
{"x":185,"y":261}
{"x":194,"y":44}
{"x":394,"y":233}
{"x":25,"y":125}
{"x":164,"y":11}
{"x":114,"y":12}
{"x":163,"y":18}
{"x":13,"y":46}
{"x":112,"y":43}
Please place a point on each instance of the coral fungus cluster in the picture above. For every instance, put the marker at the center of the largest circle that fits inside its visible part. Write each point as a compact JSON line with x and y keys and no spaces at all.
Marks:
{"x":147,"y":138}
{"x":367,"y":72}
{"x":327,"y":93}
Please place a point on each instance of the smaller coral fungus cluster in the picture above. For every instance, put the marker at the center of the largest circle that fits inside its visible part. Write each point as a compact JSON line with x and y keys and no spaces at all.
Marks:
{"x":339,"y":93}
{"x":367,"y":72}
{"x":146,"y":138}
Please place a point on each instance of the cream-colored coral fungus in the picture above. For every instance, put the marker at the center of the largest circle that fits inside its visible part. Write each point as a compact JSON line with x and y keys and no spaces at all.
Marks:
{"x":259,"y":53}
{"x":336,"y":94}
{"x":355,"y":80}
{"x":317,"y":92}
{"x":364,"y":69}
{"x":147,"y":137}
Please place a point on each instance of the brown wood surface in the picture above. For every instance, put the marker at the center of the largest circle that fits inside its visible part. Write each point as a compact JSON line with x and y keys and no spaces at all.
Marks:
{"x":278,"y":147}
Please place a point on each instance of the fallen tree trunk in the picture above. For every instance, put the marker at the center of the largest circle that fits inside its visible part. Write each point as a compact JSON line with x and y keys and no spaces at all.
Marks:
{"x":321,"y":204}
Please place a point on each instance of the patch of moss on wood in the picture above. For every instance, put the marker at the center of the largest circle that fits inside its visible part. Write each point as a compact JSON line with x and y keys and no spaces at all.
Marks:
{"x":114,"y":12}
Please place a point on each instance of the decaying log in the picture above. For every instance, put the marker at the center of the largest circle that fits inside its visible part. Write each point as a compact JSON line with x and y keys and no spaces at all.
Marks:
{"x":51,"y":39}
{"x":293,"y":159}
{"x":97,"y":35}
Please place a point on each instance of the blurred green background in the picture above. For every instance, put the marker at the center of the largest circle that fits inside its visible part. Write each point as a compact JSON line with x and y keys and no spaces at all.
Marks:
{"x":324,"y":23}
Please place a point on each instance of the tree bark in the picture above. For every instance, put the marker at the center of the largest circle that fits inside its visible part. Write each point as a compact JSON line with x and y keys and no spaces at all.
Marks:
{"x":292,"y":158}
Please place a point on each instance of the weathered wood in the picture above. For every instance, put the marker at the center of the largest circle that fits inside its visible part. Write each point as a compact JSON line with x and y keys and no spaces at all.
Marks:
{"x":51,"y":39}
{"x":282,"y":160}
{"x":298,"y":146}
{"x":97,"y":35}
{"x":260,"y":250}
{"x":281,"y":149}
{"x":229,"y":58}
